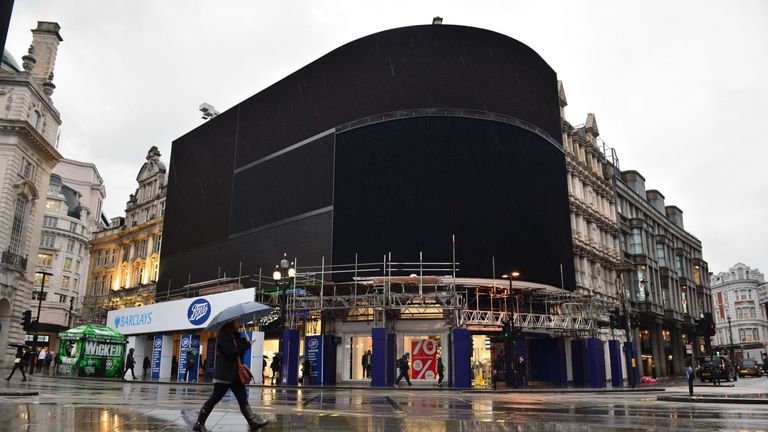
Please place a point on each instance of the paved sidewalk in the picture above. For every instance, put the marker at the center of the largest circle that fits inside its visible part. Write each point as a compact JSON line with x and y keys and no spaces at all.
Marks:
{"x":751,"y":398}
{"x":532,"y":390}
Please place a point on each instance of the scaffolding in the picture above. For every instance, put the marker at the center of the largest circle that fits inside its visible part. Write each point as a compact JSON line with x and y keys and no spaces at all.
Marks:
{"x":381,"y":292}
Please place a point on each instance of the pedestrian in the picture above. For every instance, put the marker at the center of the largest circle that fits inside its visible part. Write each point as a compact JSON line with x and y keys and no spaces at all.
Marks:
{"x":765,"y":364}
{"x":275,"y":369}
{"x":404,"y":368}
{"x":189,"y":365}
{"x":263,"y":368}
{"x":689,"y":374}
{"x":364,"y":364}
{"x":129,"y":364}
{"x":48,"y":361}
{"x":522,"y":372}
{"x":230,"y":347}
{"x":174,"y":367}
{"x":56,"y":364}
{"x":306,"y":372}
{"x":145,"y":367}
{"x":41,"y":359}
{"x":440,"y":371}
{"x":20,"y":362}
{"x":369,"y":363}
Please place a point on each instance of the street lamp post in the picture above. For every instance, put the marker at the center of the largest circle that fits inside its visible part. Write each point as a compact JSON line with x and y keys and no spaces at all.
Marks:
{"x":37,"y":322}
{"x":730,"y":333}
{"x":283,"y":271}
{"x":512,"y":365}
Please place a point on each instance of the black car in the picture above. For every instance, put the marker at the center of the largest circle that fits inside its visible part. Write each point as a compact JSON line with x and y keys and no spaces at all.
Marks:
{"x":713,"y":368}
{"x":750,"y":367}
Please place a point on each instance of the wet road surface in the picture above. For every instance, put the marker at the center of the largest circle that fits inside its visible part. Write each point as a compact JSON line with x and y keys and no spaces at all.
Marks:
{"x":89,"y":405}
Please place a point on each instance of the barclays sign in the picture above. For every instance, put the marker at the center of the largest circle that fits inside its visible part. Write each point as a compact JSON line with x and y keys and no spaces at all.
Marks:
{"x":198,"y":312}
{"x":185,"y":314}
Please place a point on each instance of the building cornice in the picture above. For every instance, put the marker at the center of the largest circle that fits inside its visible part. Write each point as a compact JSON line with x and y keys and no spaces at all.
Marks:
{"x":33,"y":138}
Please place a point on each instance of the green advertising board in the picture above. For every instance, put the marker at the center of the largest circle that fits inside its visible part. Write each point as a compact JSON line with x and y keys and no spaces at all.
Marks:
{"x":92,"y":350}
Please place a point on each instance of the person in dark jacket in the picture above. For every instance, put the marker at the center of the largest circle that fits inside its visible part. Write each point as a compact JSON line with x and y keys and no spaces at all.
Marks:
{"x":230,"y":346}
{"x":145,"y":367}
{"x":404,"y":368}
{"x":765,"y":364}
{"x":129,"y":365}
{"x":440,"y":371}
{"x":522,"y":372}
{"x":20,"y":362}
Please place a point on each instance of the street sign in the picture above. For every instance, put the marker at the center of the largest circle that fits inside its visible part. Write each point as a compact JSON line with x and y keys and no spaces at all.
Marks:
{"x":689,"y":348}
{"x":762,"y":293}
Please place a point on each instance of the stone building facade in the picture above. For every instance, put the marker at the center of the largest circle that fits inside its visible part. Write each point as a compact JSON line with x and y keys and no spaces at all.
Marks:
{"x":72,"y":213}
{"x":663,"y":275}
{"x":735,"y":296}
{"x":125,"y":256}
{"x":29,"y":126}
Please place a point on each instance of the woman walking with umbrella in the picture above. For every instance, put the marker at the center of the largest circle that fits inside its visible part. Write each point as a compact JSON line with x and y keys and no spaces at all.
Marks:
{"x":229,"y":347}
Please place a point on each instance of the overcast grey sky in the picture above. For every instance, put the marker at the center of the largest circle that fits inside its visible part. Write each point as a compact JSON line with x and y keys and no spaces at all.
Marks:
{"x":679,"y":89}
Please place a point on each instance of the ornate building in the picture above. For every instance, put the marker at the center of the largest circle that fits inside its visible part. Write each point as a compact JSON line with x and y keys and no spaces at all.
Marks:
{"x":72,"y":213}
{"x":735,"y":297}
{"x":125,"y":257}
{"x":663,"y":274}
{"x":29,"y":126}
{"x":594,"y":228}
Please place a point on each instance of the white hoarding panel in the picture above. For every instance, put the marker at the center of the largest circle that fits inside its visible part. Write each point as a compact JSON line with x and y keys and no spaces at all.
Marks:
{"x":183,"y":314}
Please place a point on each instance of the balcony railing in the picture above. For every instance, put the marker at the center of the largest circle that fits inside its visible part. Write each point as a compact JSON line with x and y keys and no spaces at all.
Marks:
{"x":14,"y":260}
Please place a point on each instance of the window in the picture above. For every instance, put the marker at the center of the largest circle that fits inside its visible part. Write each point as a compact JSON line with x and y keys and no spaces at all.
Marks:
{"x":54,"y":188}
{"x":67,"y":263}
{"x":106,"y":256}
{"x":36,"y":295}
{"x":80,"y":249}
{"x":76,"y":284}
{"x":155,"y":270}
{"x":70,"y":245}
{"x":62,"y":298}
{"x":65,"y":282}
{"x":679,"y":265}
{"x":50,"y":221}
{"x":48,"y":240}
{"x":661,"y":255}
{"x":77,"y":266}
{"x":39,"y":280}
{"x":156,"y":243}
{"x":125,"y":278}
{"x":27,"y":169}
{"x":72,"y":227}
{"x":641,"y":288}
{"x":17,"y":229}
{"x":53,"y":205}
{"x":110,"y":281}
{"x":34,"y":119}
{"x":142,"y":248}
{"x":45,"y":259}
{"x":636,"y":241}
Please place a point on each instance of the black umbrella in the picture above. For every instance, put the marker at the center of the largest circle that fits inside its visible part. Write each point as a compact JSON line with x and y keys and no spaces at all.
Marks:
{"x":17,"y":345}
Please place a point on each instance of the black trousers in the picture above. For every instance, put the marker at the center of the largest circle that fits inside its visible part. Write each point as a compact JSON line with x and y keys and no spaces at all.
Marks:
{"x":220,"y":389}
{"x":403,"y":374}
{"x":440,"y":377}
{"x":20,"y":367}
{"x":126,"y":370}
{"x":690,"y":385}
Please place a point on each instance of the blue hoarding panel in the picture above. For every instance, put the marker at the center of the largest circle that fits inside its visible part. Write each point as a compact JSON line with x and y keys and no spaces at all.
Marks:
{"x":157,"y":351}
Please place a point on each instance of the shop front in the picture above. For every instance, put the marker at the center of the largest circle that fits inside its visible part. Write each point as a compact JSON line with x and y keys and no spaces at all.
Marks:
{"x":171,"y":336}
{"x":424,"y":340}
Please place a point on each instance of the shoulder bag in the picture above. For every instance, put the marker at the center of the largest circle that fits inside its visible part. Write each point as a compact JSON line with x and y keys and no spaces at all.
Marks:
{"x":243,"y":372}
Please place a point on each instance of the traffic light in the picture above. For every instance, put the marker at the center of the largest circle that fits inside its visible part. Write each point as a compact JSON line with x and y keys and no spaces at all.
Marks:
{"x":26,"y":320}
{"x":634,"y":320}
{"x":506,"y":329}
{"x":709,"y":325}
{"x":623,"y":321}
{"x":613,"y":318}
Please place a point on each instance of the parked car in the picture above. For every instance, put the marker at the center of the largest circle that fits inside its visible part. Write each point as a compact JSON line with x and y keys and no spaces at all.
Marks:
{"x":750,"y":367}
{"x":713,"y":368}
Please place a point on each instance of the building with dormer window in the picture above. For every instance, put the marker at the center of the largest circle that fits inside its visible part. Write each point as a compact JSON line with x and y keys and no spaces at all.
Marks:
{"x":125,"y":256}
{"x":29,"y":126}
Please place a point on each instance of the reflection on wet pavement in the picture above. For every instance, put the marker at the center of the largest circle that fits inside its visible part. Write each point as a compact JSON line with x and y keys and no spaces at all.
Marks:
{"x":70,"y":405}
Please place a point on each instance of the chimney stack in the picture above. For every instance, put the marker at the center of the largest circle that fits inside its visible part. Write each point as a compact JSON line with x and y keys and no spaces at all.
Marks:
{"x":45,"y":45}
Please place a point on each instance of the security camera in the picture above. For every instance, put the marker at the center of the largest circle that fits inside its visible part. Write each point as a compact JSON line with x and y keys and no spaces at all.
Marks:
{"x":208,"y":111}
